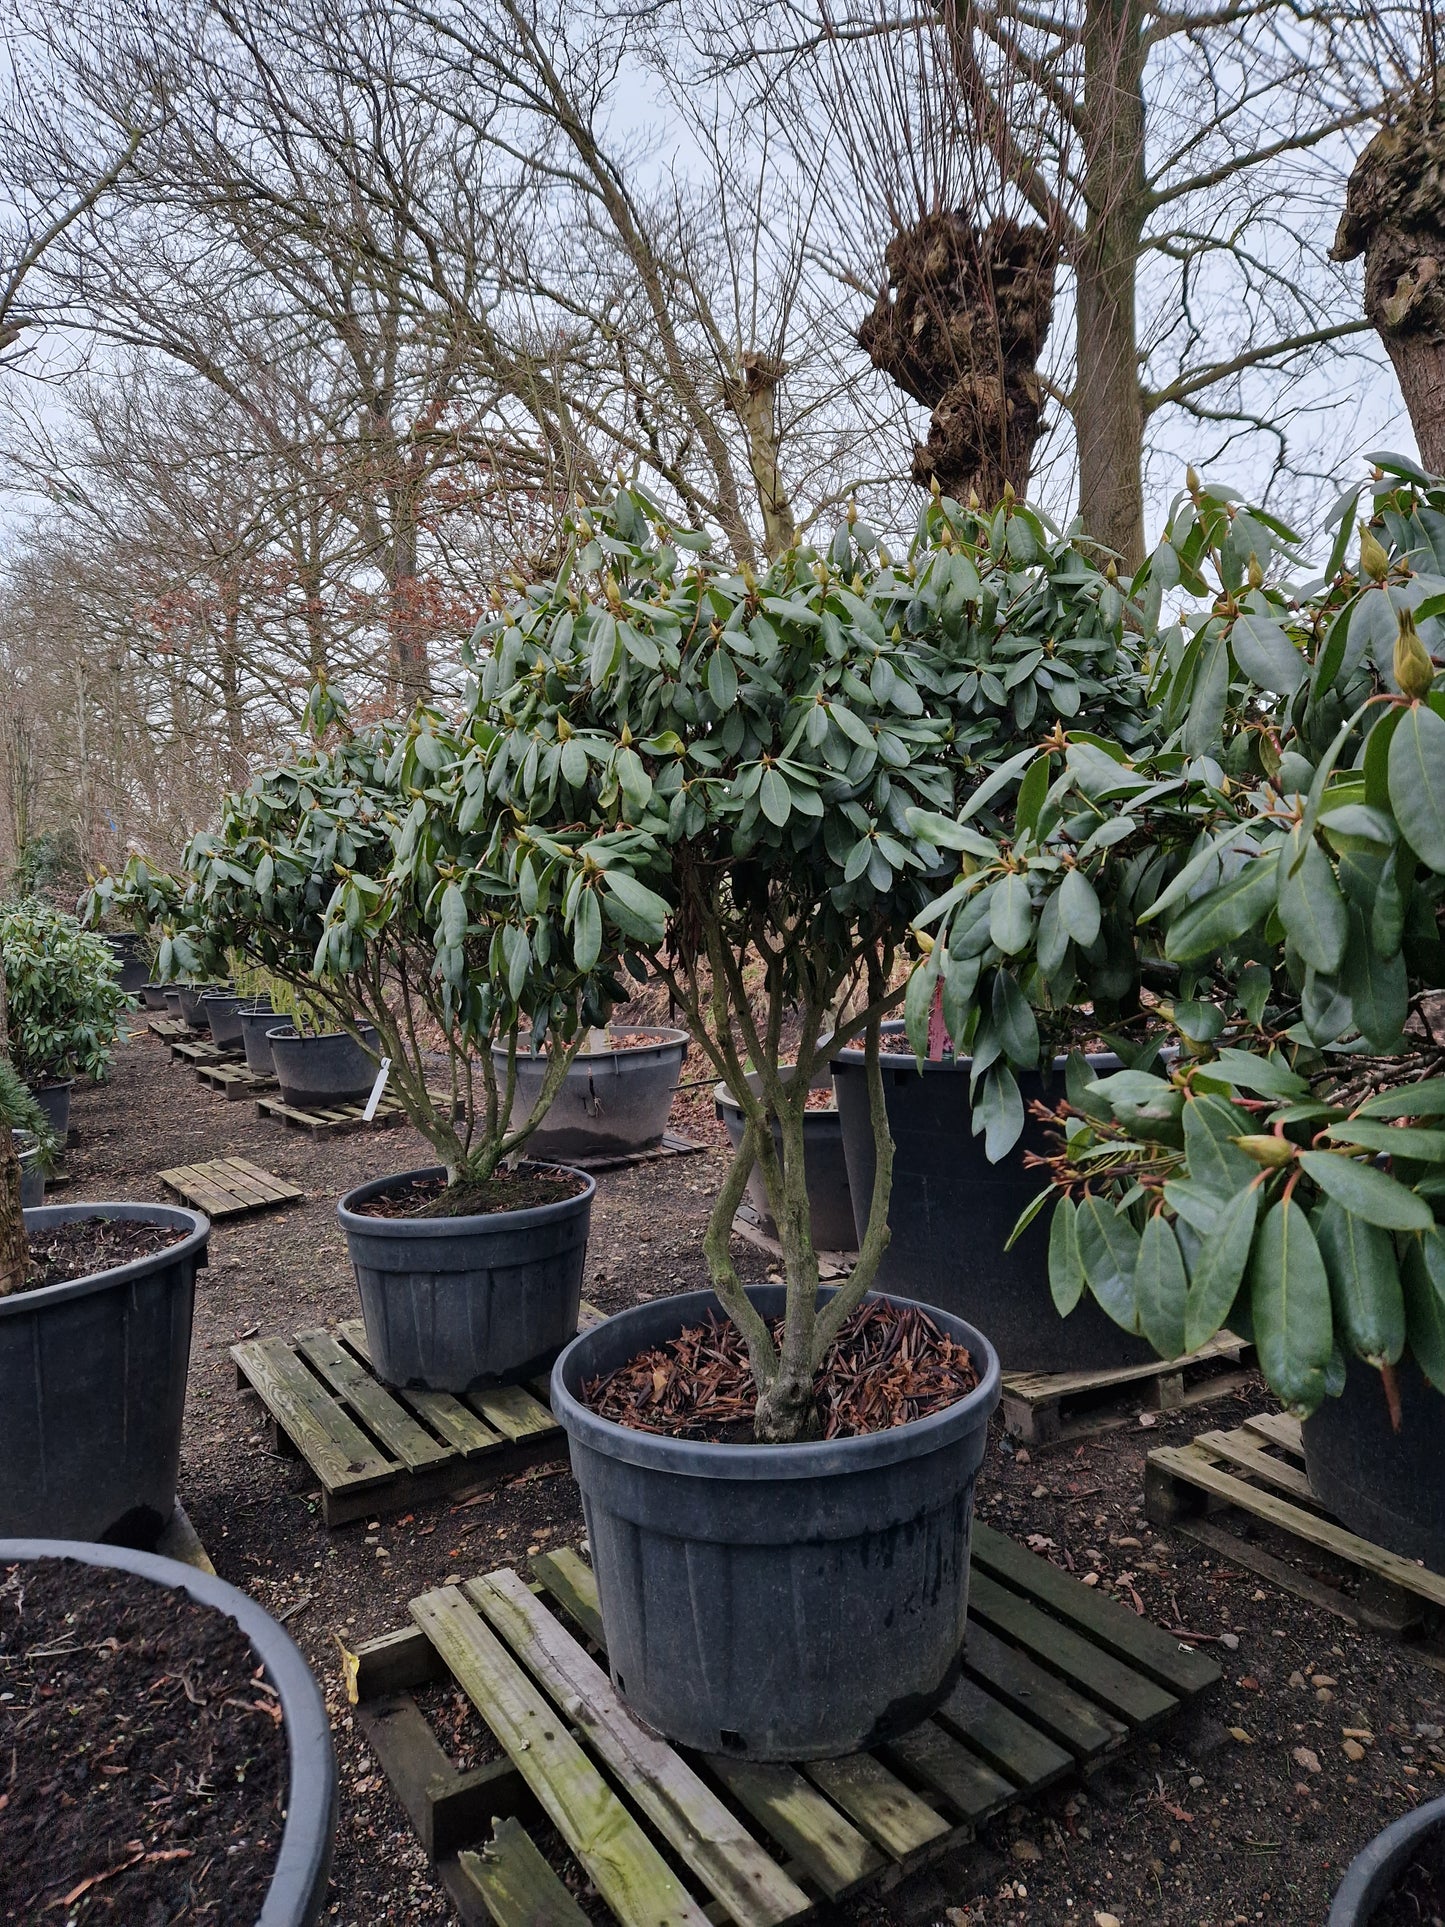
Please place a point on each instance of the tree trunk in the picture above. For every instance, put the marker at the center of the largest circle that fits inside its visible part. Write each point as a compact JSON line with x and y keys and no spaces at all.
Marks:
{"x":236,"y":764}
{"x":14,"y":1247}
{"x":1395,"y":216}
{"x":1108,"y":407}
{"x":753,"y":397}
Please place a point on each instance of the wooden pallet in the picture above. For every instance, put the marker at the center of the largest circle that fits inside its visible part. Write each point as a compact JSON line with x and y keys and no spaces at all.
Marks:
{"x":670,"y":1146}
{"x":1055,"y":1679}
{"x":229,"y":1187}
{"x":1225,"y":1489}
{"x":1045,"y":1408}
{"x":335,"y":1121}
{"x":203,"y":1056}
{"x":375,"y":1448}
{"x":171,"y":1030}
{"x":235,"y":1080}
{"x":748,"y":1225}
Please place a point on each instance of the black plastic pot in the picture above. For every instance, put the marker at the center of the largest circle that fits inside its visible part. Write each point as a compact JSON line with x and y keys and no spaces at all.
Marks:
{"x":153,"y":996}
{"x":776,"y":1602}
{"x":190,"y":1002}
{"x":32,"y":1172}
{"x":611,"y":1103}
{"x":54,"y":1100}
{"x":128,"y":954}
{"x":320,"y":1071}
{"x":221,"y":1012}
{"x":173,"y":1003}
{"x":951,"y":1213}
{"x":825,"y":1169}
{"x":1388,"y":1486}
{"x":450,"y":1303}
{"x":1375,"y":1872}
{"x":298,"y":1884}
{"x":93,"y":1385}
{"x":256,"y":1017}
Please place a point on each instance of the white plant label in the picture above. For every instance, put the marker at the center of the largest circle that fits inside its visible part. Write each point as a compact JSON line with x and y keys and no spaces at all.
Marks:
{"x":382,"y":1073}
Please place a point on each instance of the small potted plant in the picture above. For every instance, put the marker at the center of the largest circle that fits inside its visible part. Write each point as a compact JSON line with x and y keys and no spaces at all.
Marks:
{"x":1281,"y":869}
{"x":377,"y":877}
{"x":64,"y":999}
{"x":234,"y":1731}
{"x":766,"y":737}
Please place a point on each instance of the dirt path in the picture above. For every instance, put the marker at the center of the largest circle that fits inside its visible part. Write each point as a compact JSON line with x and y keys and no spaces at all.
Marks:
{"x":1200,"y":1829}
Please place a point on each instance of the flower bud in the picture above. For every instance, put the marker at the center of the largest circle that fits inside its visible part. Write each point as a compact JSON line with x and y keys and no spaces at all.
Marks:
{"x":1267,"y":1150}
{"x":1192,"y":481}
{"x":1256,"y":573}
{"x":1374,"y":556}
{"x":1414,"y":671}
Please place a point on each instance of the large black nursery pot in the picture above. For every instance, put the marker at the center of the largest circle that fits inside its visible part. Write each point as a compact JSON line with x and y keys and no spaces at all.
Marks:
{"x":1375,"y":1873}
{"x":189,"y":1002}
{"x":611,"y":1103}
{"x":452,"y":1303}
{"x":315,"y":1072}
{"x":153,"y":996}
{"x":54,"y":1099}
{"x":172,"y":997}
{"x":93,"y":1386}
{"x":776,"y":1602}
{"x":298,"y":1885}
{"x":825,"y":1169}
{"x":126,"y":949}
{"x":951,"y":1213}
{"x":1388,"y":1486}
{"x":220,"y":1011}
{"x":255,"y":1017}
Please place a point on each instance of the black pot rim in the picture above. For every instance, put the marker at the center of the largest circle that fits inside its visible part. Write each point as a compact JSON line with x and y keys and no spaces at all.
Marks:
{"x":219,"y":996}
{"x":1370,"y":1874}
{"x":55,"y":1084}
{"x":298,"y":1878}
{"x":669,"y":1039}
{"x":723,"y":1097}
{"x":192,"y":1246}
{"x":851,"y":1058}
{"x":479,"y":1223}
{"x":289,"y":1034}
{"x":817,"y":1459}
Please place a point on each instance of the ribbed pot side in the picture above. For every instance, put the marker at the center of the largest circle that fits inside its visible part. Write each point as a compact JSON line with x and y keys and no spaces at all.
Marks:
{"x":93,"y":1387}
{"x":1387,"y":1486}
{"x":776,"y":1602}
{"x":453,"y":1303}
{"x":612,"y":1102}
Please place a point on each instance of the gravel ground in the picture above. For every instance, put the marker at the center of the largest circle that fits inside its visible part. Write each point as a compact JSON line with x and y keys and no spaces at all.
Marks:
{"x":1245,"y":1810}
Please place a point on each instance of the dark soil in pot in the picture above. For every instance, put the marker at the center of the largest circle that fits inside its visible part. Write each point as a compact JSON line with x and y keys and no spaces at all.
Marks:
{"x":776,"y":1602}
{"x":80,"y":1247}
{"x":154,"y":1772}
{"x":1386,"y":1485}
{"x":455,"y":1302}
{"x":952,"y":1211}
{"x":611,"y":1103}
{"x":433,"y":1197}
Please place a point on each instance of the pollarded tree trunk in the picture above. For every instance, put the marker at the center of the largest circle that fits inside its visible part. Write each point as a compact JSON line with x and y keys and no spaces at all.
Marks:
{"x":1395,"y":216}
{"x":14,"y":1250}
{"x":960,"y":327}
{"x":1108,"y":406}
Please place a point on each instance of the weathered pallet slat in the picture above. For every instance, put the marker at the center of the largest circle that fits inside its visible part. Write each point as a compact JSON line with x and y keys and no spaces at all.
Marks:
{"x":377,"y":1448}
{"x":1222,"y":1471}
{"x":1045,"y":1408}
{"x":517,"y":1886}
{"x":229,"y":1187}
{"x":1045,"y":1702}
{"x":671,"y":1145}
{"x":627,"y":1870}
{"x":235,"y":1081}
{"x":1027,"y":1757}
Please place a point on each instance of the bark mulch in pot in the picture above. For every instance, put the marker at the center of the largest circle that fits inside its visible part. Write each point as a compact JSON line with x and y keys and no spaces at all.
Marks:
{"x":1419,"y":1898}
{"x":889,"y":1364}
{"x":503,"y":1191}
{"x":86,"y":1245}
{"x":143,"y":1763}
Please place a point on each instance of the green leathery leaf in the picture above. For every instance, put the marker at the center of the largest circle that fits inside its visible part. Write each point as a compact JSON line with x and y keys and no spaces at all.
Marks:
{"x":1161,"y":1287}
{"x":1290,"y":1307}
{"x":918,"y":1003}
{"x":1219,"y":1267}
{"x":1387,"y":917}
{"x":1226,"y":913}
{"x":1261,"y":1074}
{"x":775,"y":797}
{"x":1417,"y":783}
{"x":1011,"y":914}
{"x":1052,"y":944}
{"x":1311,"y":907}
{"x":1109,"y":1251}
{"x":1032,"y":791}
{"x":1378,"y":987}
{"x":1266,"y":655}
{"x":1364,"y":1283}
{"x":586,"y":930}
{"x":1079,"y":907}
{"x":1424,"y":1099}
{"x":999,"y":1106}
{"x":1396,"y":1140}
{"x":722,"y":679}
{"x":1367,"y":1193}
{"x":1423,"y":1278}
{"x":1013,"y":1020}
{"x":1066,"y":1268}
